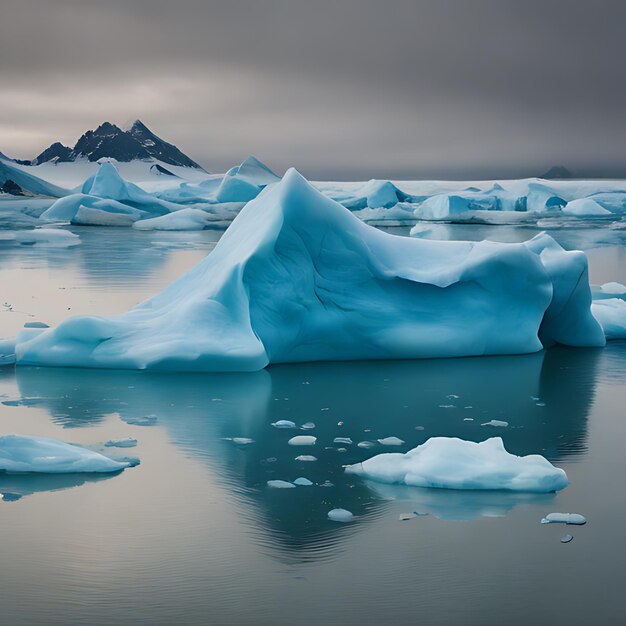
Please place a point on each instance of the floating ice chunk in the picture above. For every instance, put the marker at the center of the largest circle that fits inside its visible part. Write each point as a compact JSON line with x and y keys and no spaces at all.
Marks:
{"x":584,"y":207}
{"x":366,"y":444}
{"x":280,"y":484}
{"x":613,"y":288}
{"x":36,"y":325}
{"x":302,"y":440}
{"x":184,"y":219}
{"x":611,"y":313}
{"x":129,"y":442}
{"x":48,"y":236}
{"x":284,"y":424}
{"x":391,"y":441}
{"x":302,"y":482}
{"x":241,"y":441}
{"x":141,"y":420}
{"x":25,"y":454}
{"x":344,"y":440}
{"x":564,"y":518}
{"x":306,"y":458}
{"x":307,"y":426}
{"x":451,"y":463}
{"x":496,"y":423}
{"x":566,"y":538}
{"x":340,"y":515}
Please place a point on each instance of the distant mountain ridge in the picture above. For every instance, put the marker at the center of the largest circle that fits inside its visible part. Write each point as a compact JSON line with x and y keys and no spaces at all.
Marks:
{"x":110,"y":141}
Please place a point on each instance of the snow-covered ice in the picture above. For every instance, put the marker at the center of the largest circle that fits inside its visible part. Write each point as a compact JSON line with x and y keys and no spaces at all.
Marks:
{"x":611,"y":313}
{"x":302,"y":482}
{"x":26,"y":454}
{"x":280,"y":484}
{"x":284,"y":424}
{"x":564,"y":518}
{"x":340,"y":515}
{"x":306,"y":458}
{"x":451,"y":463}
{"x":391,"y":441}
{"x":302,"y":440}
{"x":298,"y":278}
{"x":496,"y":423}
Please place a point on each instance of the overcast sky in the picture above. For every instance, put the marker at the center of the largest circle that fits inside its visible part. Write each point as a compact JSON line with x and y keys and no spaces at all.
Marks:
{"x":339,"y":88}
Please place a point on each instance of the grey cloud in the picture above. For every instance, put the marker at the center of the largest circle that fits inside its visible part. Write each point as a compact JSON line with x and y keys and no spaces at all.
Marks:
{"x":343,"y":88}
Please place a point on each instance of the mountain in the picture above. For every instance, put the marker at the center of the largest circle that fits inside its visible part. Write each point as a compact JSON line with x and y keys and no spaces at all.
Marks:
{"x":56,"y":151}
{"x":110,"y":141}
{"x":557,"y":171}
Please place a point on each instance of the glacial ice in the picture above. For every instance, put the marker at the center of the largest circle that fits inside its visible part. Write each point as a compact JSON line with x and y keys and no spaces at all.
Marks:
{"x":564,"y":518}
{"x":302,"y":482}
{"x":129,"y":442}
{"x":42,"y":236}
{"x":451,"y":463}
{"x":184,"y":219}
{"x":244,"y":182}
{"x":611,"y":313}
{"x":25,"y":454}
{"x":298,"y":278}
{"x":584,"y":207}
{"x":280,"y":484}
{"x":391,"y":441}
{"x":302,"y":440}
{"x":340,"y":515}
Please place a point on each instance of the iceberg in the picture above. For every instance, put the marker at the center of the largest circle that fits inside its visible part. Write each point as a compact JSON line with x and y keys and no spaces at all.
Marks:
{"x":24,"y":454}
{"x":611,"y":313}
{"x":297,"y":278}
{"x":451,"y":463}
{"x":244,"y":182}
{"x":585,"y":207}
{"x":184,"y":219}
{"x":375,"y":194}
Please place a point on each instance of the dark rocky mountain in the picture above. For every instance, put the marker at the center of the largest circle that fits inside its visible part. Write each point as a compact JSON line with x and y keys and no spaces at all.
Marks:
{"x":108,"y":140}
{"x":56,"y":151}
{"x":12,"y":188}
{"x":557,"y":171}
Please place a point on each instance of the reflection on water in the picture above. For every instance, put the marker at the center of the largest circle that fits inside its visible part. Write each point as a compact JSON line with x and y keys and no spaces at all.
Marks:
{"x":545,"y":397}
{"x":16,"y":486}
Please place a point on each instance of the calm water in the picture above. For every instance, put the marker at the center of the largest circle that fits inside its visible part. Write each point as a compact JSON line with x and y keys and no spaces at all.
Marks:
{"x":194,"y":536}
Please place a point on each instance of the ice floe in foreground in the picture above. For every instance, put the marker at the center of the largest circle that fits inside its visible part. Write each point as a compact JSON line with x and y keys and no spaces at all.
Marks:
{"x":298,"y":278}
{"x":340,"y":515}
{"x":25,"y":454}
{"x":564,"y":518}
{"x":451,"y":463}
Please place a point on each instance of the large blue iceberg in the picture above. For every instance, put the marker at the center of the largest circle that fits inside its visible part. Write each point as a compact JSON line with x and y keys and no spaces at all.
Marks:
{"x":297,"y":277}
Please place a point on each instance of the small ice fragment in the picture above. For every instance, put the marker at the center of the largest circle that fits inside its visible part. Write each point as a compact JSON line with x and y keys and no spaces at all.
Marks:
{"x":405,"y":517}
{"x":147,"y":420}
{"x":496,"y":423}
{"x":535,"y":398}
{"x":342,"y":449}
{"x":340,"y":515}
{"x":365,"y":444}
{"x":36,"y":325}
{"x":452,"y":396}
{"x":419,"y":428}
{"x":327,"y":483}
{"x":308,"y":426}
{"x":566,"y":538}
{"x":468,"y":419}
{"x":271,"y":459}
{"x":447,"y":406}
{"x":345,"y":440}
{"x":240,"y":441}
{"x":302,"y":482}
{"x":326,"y":408}
{"x":306,"y":458}
{"x":564,"y":518}
{"x":284,"y":424}
{"x":302,"y":440}
{"x":280,"y":484}
{"x":339,"y":423}
{"x":129,"y":442}
{"x":541,"y":404}
{"x":390,"y":441}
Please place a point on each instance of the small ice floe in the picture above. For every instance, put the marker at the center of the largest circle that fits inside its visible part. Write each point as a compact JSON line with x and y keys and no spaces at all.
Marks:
{"x":342,"y":449}
{"x":566,"y":538}
{"x":129,"y":442}
{"x":308,"y":426}
{"x":447,"y":406}
{"x":451,"y":463}
{"x":327,"y":483}
{"x":365,"y":444}
{"x":302,"y":440}
{"x":391,"y":441}
{"x":284,"y":424}
{"x":452,"y":396}
{"x":564,"y":518}
{"x":240,"y":441}
{"x":280,"y":484}
{"x":541,"y":404}
{"x":340,"y":515}
{"x":306,"y":458}
{"x":405,"y":517}
{"x":468,"y":419}
{"x":44,"y":455}
{"x":496,"y":423}
{"x":345,"y":440}
{"x":302,"y":482}
{"x":36,"y":325}
{"x":419,"y":428}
